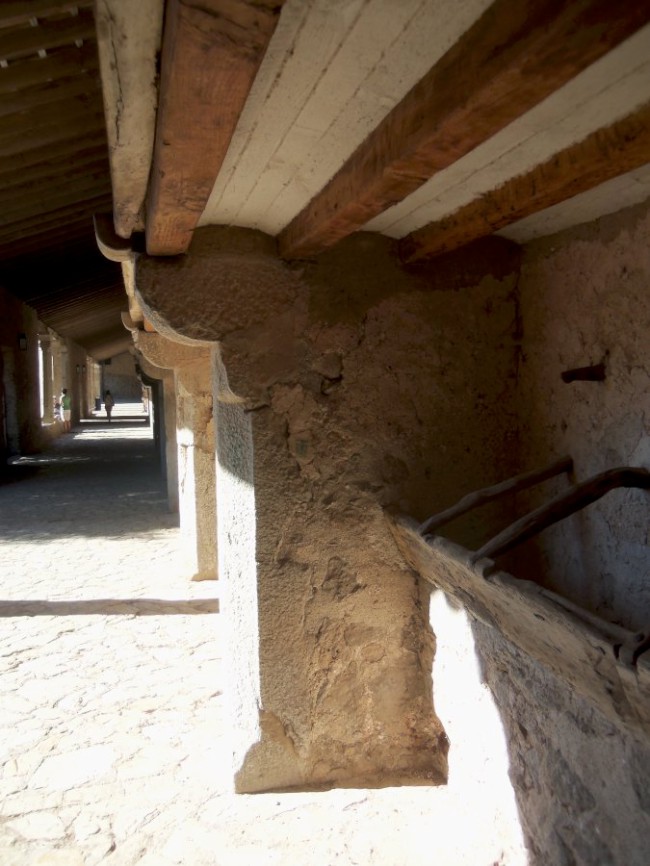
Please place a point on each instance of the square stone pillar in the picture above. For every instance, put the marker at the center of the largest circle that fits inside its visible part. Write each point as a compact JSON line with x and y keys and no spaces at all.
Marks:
{"x":57,"y":367}
{"x":195,"y":445}
{"x":330,"y":652}
{"x":169,"y":424}
{"x":48,"y":392}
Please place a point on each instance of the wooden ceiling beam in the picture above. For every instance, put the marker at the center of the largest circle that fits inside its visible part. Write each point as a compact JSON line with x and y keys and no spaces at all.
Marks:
{"x":25,"y":40}
{"x":55,"y":218}
{"x":63,"y":112}
{"x":51,"y":198}
{"x":64,"y":171}
{"x":210,"y":57}
{"x":512,"y":58}
{"x":603,"y":155}
{"x":63,"y":149}
{"x":86,"y":124}
{"x":64,"y":63}
{"x":51,"y":238}
{"x":81,"y":85}
{"x":14,"y":13}
{"x":83,"y":310}
{"x":97,"y":290}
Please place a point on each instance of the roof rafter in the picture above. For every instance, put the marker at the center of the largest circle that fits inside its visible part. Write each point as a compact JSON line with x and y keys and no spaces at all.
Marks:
{"x":210,"y":56}
{"x":14,"y":12}
{"x":512,"y":58}
{"x":49,"y":34}
{"x":601,"y":156}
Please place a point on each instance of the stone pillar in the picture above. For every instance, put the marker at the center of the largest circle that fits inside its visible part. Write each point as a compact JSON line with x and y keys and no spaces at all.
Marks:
{"x":57,"y":367}
{"x":331,"y":654}
{"x":48,"y":393}
{"x":192,"y":377}
{"x":169,"y":425}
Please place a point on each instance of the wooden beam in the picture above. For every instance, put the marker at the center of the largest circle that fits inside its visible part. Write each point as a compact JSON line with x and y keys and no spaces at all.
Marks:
{"x":49,"y":239}
{"x":62,"y":112}
{"x":47,"y":35}
{"x":58,"y":217}
{"x":21,"y":12}
{"x":601,"y":156}
{"x":84,"y":84}
{"x":40,"y":70}
{"x":55,"y":197}
{"x":86,"y":124}
{"x":512,"y":58}
{"x":61,"y":171}
{"x":490,"y":494}
{"x":210,"y":58}
{"x":44,"y":155}
{"x":561,"y":506}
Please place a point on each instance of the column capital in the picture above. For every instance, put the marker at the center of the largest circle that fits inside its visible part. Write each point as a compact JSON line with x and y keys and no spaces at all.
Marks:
{"x":166,"y":354}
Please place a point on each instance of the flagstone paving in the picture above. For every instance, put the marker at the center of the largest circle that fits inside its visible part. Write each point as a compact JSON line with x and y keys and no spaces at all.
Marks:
{"x":112,"y":722}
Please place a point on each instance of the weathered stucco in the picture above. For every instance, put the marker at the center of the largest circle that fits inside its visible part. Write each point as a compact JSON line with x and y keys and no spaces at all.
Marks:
{"x":348,"y":388}
{"x":355,"y":384}
{"x":584,"y":300}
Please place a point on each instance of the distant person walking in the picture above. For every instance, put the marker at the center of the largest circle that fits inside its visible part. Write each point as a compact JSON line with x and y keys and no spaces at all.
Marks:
{"x":108,"y":405}
{"x":66,"y":410}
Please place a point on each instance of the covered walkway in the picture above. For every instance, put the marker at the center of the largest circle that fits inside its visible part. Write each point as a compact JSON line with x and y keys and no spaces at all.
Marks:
{"x":112,"y":708}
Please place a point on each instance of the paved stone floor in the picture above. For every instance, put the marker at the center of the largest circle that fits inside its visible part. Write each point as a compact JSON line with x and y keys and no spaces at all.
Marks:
{"x":111,"y":724}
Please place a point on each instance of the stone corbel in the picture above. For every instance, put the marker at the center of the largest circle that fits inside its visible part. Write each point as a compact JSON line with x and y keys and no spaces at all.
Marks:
{"x":117,"y":249}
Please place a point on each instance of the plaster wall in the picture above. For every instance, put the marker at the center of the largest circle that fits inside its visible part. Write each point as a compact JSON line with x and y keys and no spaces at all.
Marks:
{"x":584,"y":300}
{"x":121,"y":379}
{"x":352,"y":386}
{"x":580,"y":780}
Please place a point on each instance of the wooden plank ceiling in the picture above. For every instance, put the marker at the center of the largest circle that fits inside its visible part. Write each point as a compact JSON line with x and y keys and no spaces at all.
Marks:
{"x":436,"y":123}
{"x":54,"y":171}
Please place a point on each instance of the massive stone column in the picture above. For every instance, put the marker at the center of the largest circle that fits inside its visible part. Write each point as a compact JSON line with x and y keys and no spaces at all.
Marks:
{"x":341,"y":387}
{"x":193,"y":419}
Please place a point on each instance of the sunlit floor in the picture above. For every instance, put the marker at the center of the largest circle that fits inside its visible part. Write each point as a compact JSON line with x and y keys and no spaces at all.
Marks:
{"x":114,"y":724}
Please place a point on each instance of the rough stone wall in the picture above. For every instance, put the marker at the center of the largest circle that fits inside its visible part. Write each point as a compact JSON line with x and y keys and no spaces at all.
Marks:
{"x":584,"y":300}
{"x":362,"y":390}
{"x":582,"y":783}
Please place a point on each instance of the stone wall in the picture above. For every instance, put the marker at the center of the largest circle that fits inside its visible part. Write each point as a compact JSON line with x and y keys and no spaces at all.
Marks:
{"x":347,"y":386}
{"x":121,"y":380}
{"x":584,"y":300}
{"x":581,"y":782}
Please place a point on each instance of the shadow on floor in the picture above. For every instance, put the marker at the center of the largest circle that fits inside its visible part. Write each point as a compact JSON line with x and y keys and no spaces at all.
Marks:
{"x":108,"y":607}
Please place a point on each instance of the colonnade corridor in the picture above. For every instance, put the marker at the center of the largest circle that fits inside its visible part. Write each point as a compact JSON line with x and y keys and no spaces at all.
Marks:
{"x":114,"y":724}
